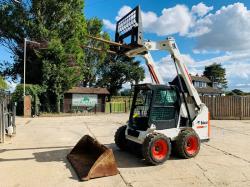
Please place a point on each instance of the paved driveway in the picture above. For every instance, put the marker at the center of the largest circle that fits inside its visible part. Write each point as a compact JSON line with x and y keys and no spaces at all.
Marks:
{"x":36,"y":156}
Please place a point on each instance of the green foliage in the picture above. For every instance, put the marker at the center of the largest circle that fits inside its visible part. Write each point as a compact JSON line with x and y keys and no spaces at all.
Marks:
{"x":235,"y":92}
{"x":3,"y":84}
{"x":126,"y":92}
{"x":33,"y":90}
{"x":61,"y":26}
{"x":60,"y":62}
{"x":93,"y":58}
{"x":118,"y":70}
{"x":216,"y":73}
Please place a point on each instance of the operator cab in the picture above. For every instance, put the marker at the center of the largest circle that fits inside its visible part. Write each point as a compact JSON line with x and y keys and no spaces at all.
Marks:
{"x":154,"y":104}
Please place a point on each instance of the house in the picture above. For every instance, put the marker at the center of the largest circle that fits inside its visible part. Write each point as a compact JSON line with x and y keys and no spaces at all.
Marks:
{"x":203,"y":85}
{"x":85,"y":99}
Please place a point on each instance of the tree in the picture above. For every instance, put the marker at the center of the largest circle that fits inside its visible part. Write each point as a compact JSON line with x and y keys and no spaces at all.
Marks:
{"x":60,"y":24}
{"x":33,"y":90}
{"x":126,"y":92}
{"x":59,"y":76}
{"x":93,"y":59}
{"x":216,"y":73}
{"x":3,"y":84}
{"x":118,"y":70}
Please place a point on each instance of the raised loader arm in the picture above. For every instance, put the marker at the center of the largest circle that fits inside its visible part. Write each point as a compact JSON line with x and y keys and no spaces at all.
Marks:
{"x":169,"y":45}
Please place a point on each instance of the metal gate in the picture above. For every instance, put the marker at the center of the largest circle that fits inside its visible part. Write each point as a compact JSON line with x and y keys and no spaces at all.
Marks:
{"x":7,"y":116}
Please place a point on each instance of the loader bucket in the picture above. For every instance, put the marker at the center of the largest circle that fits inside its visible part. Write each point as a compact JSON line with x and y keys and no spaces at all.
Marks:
{"x":90,"y":159}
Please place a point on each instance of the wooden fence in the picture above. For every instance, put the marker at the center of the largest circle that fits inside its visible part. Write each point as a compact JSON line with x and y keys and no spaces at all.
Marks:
{"x":228,"y":107}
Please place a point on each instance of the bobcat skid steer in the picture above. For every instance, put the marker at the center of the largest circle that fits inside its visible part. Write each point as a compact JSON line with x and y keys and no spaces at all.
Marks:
{"x":162,"y":119}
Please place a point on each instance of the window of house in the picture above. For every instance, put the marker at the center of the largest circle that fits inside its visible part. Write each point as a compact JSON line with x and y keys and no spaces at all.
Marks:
{"x":200,"y":84}
{"x":215,"y":85}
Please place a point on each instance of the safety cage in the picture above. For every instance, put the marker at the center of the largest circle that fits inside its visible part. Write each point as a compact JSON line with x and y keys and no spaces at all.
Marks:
{"x":129,"y":29}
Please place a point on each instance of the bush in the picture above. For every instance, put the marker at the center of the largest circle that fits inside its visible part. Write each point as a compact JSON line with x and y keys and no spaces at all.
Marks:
{"x":34,"y":90}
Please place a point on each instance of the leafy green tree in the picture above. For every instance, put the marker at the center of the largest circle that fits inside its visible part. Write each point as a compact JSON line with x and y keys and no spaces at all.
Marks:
{"x":34,"y":91}
{"x":3,"y":84}
{"x":60,"y":76}
{"x":93,"y":59}
{"x":61,"y":26}
{"x":217,"y":74}
{"x":126,"y":92}
{"x":118,"y":70}
{"x":238,"y":92}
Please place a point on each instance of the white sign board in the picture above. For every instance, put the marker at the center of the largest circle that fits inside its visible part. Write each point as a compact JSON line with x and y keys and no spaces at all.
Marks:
{"x":84,"y":99}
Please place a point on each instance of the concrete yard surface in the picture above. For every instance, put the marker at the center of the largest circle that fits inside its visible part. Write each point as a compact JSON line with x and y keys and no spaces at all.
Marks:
{"x":36,"y":156}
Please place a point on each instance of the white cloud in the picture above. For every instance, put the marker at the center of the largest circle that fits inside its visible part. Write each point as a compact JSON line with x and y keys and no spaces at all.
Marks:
{"x":122,"y":12}
{"x":172,"y":20}
{"x":148,"y":18}
{"x":11,"y":86}
{"x":228,"y":29}
{"x":166,"y":68}
{"x":108,"y":25}
{"x":242,"y":85}
{"x":225,"y":31}
{"x":238,"y":74}
{"x":201,"y":9}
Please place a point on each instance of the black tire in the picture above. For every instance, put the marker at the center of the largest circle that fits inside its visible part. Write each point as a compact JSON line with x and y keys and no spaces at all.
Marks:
{"x":187,"y":144}
{"x":120,"y":138}
{"x":150,"y":147}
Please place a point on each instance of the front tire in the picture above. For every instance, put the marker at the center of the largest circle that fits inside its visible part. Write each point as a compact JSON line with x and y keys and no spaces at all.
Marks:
{"x":187,"y":144}
{"x":120,"y":138}
{"x":156,"y":149}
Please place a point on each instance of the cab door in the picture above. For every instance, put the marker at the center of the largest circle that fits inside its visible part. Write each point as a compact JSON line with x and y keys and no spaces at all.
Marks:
{"x":165,"y":109}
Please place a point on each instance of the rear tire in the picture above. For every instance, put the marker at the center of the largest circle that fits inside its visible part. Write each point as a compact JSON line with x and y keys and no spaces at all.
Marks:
{"x":187,"y":144}
{"x":156,"y":149}
{"x":120,"y":138}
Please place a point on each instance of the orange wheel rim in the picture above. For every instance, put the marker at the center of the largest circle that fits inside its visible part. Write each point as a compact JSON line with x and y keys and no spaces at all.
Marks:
{"x":159,"y":149}
{"x":191,"y":146}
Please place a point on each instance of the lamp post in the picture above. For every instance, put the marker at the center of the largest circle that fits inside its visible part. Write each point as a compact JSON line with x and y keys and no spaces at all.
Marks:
{"x":24,"y":61}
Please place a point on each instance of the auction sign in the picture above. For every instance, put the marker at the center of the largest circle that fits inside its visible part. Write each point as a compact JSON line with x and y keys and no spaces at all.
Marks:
{"x":84,"y":99}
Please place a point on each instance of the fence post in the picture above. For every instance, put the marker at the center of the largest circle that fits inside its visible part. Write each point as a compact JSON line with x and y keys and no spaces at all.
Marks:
{"x":1,"y":125}
{"x":241,"y":108}
{"x":14,"y":118}
{"x":110,"y":107}
{"x":95,"y":108}
{"x":125,"y":106}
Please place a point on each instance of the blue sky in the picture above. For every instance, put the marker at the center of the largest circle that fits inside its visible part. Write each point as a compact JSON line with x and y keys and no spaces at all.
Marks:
{"x":205,"y":31}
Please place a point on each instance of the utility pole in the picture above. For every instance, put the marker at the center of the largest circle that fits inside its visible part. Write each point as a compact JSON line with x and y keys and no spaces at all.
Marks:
{"x":24,"y":61}
{"x":24,"y":70}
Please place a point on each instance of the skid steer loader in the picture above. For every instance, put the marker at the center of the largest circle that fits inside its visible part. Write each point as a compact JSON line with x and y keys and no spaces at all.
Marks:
{"x":161,"y":119}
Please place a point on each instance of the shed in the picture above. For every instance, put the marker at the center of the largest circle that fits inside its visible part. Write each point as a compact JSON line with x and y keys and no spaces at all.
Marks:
{"x":83,"y":98}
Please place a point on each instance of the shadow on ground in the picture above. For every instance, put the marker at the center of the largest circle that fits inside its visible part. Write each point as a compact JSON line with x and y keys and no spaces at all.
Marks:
{"x":56,"y":156}
{"x":124,"y":159}
{"x":132,"y":158}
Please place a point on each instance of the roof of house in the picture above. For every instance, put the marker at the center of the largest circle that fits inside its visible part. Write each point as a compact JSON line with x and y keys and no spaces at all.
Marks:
{"x":85,"y":90}
{"x":200,"y":78}
{"x":209,"y":90}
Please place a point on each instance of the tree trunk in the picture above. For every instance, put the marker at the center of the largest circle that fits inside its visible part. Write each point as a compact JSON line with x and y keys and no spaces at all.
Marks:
{"x":58,"y":103}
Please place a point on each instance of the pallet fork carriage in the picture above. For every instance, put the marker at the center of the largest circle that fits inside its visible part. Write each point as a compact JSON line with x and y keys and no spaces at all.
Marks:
{"x":161,"y":120}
